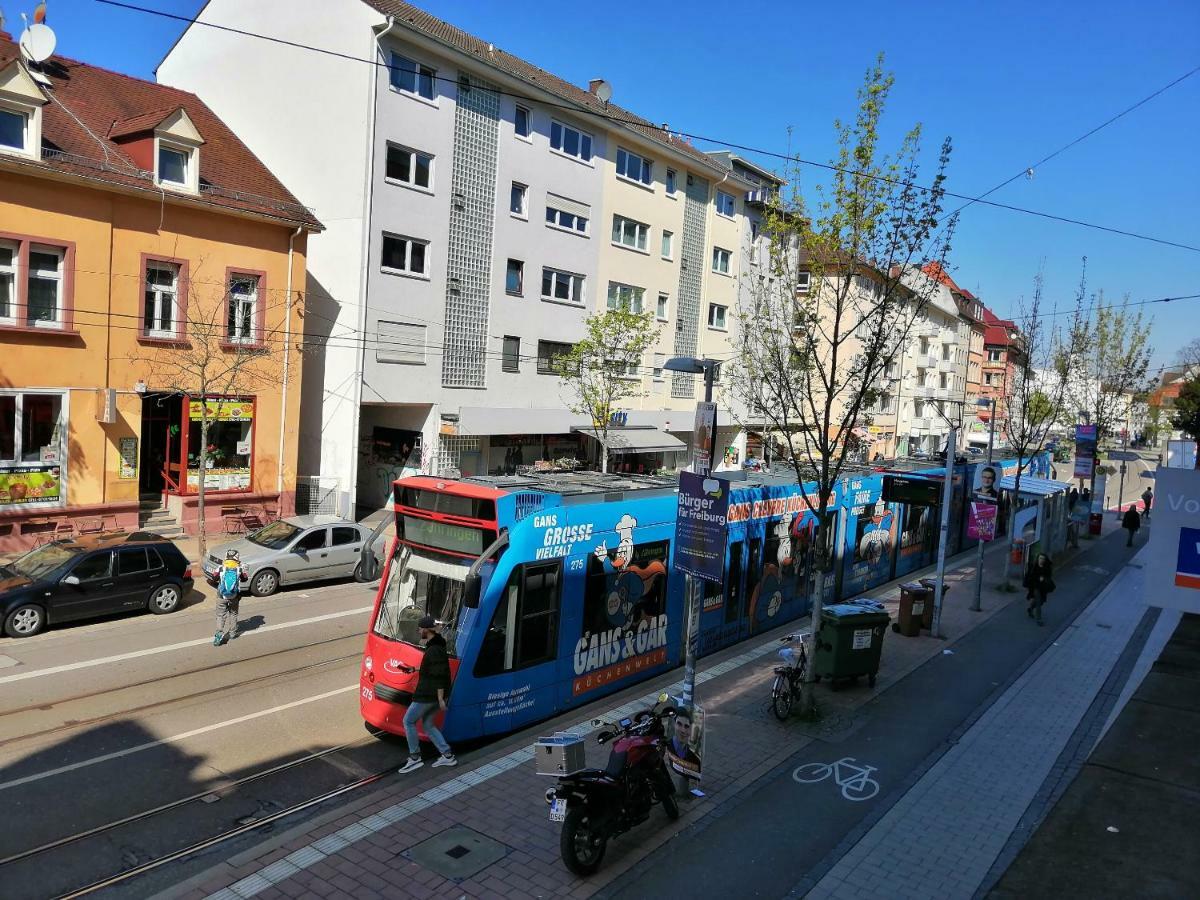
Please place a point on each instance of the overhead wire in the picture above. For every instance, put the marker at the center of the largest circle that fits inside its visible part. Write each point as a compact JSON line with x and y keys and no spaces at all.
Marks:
{"x":669,"y":132}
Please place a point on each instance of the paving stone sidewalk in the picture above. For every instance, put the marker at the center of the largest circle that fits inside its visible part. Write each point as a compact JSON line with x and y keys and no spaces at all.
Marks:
{"x":368,"y":850}
{"x":942,"y":837}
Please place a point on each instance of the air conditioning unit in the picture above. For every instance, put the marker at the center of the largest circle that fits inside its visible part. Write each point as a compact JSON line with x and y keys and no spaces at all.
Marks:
{"x":106,"y":406}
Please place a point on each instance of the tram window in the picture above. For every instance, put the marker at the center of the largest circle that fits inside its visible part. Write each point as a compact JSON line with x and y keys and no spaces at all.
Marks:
{"x":733,"y":582}
{"x":753,"y":572}
{"x":619,"y":596}
{"x":499,"y":641}
{"x":537,"y":630}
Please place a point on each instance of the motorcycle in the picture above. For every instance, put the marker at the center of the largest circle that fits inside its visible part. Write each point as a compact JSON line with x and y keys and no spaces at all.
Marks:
{"x":596,"y":805}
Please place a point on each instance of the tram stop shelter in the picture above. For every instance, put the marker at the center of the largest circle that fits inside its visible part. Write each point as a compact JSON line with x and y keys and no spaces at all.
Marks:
{"x":1040,"y":515}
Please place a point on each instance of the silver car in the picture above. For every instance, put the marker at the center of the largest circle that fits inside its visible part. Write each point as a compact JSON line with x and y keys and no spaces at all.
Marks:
{"x":298,"y":549}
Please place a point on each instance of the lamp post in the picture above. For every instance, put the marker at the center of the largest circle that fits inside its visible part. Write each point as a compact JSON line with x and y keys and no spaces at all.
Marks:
{"x":976,"y":604}
{"x":707,"y":368}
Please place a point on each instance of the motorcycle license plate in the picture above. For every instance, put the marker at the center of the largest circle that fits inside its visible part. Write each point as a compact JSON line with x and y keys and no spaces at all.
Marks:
{"x":558,"y":810}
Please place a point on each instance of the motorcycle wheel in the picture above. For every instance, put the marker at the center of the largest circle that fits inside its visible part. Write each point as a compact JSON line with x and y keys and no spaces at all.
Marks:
{"x":671,"y":805}
{"x":582,"y":852}
{"x":781,"y":698}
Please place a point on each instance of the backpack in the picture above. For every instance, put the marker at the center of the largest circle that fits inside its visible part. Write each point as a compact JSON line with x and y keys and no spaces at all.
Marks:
{"x":229,"y":581}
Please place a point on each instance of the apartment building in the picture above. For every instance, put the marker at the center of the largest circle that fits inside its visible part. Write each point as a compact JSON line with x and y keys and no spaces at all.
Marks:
{"x":479,"y":210}
{"x":972,"y":329}
{"x":1003,"y":353}
{"x":138,"y":236}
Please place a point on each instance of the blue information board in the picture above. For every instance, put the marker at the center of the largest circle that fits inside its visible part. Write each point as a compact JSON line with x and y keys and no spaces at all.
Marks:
{"x":700,"y":526}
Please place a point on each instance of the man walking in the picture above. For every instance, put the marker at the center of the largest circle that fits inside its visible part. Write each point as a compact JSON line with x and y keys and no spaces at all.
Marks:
{"x":433,"y":687}
{"x":1131,"y":522}
{"x":229,"y":597}
{"x":1147,"y":502}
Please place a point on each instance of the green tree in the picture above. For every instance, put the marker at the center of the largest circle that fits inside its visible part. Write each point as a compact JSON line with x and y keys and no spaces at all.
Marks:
{"x":1185,"y":415}
{"x":605,"y":368}
{"x":835,"y":302}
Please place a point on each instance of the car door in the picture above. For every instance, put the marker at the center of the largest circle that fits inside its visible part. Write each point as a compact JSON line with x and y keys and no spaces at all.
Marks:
{"x":307,"y":558}
{"x":88,"y":589}
{"x":135,"y":574}
{"x":345,"y":548}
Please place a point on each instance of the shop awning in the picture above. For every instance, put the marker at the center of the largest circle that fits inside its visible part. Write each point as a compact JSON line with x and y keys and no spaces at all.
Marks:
{"x":637,"y":440}
{"x":1040,"y":487}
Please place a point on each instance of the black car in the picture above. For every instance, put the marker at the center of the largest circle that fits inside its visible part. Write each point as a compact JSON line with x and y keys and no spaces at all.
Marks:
{"x":92,"y":576}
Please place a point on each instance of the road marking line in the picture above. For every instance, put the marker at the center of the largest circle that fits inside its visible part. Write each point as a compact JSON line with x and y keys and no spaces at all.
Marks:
{"x":16,"y":782}
{"x":151,"y":651}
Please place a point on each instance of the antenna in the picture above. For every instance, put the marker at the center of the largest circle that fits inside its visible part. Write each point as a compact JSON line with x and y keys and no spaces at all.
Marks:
{"x":38,"y":43}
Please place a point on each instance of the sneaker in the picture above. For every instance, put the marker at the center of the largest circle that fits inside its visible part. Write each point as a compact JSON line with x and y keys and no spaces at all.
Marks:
{"x":414,"y":762}
{"x":217,"y":639}
{"x":447,"y":759}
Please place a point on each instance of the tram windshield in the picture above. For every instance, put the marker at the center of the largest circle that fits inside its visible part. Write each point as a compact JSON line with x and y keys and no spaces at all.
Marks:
{"x":420,"y":585}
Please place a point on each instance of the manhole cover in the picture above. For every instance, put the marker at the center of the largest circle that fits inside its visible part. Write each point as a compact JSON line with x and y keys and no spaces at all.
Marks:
{"x":457,"y":853}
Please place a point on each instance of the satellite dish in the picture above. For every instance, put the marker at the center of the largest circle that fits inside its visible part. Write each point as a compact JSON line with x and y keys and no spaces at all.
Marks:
{"x":38,"y":43}
{"x":603,"y":91}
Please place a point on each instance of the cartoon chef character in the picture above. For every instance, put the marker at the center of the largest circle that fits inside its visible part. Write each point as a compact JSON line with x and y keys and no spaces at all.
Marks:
{"x":783,"y":531}
{"x":875,"y":543}
{"x":624,"y":556}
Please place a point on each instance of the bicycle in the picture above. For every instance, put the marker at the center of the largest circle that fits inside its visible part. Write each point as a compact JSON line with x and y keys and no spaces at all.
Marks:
{"x":790,"y":677}
{"x":859,"y":786}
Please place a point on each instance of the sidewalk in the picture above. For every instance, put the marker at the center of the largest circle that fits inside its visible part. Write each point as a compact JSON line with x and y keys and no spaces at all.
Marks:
{"x":485,"y":831}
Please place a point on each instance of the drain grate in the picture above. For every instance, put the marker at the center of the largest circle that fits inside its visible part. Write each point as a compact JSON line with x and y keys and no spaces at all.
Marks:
{"x":457,"y":853}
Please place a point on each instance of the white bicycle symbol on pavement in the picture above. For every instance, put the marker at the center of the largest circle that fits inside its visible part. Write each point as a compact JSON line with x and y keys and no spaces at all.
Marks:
{"x":855,"y":780}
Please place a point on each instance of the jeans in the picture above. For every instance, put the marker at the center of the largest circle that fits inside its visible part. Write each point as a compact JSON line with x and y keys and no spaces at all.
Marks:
{"x":423,"y":713}
{"x":1037,"y":599}
{"x":227,"y":615}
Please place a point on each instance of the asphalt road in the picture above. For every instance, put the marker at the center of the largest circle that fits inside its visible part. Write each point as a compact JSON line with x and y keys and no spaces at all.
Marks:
{"x":107,"y":721}
{"x":780,"y":831}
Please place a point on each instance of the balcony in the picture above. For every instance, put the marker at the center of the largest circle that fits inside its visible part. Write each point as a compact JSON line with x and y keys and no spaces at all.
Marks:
{"x":946,"y":365}
{"x":921,"y":424}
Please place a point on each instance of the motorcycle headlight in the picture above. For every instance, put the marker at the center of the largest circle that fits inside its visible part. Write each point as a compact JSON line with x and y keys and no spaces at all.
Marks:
{"x":551,"y":796}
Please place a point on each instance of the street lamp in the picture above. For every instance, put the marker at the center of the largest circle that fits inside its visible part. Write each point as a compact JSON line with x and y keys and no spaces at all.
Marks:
{"x":690,"y":365}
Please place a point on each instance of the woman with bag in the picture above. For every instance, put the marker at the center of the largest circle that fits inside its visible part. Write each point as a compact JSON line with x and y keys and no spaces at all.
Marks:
{"x":1039,"y":583}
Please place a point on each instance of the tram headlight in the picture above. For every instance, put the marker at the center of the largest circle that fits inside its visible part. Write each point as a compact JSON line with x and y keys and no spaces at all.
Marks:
{"x":368,"y":663}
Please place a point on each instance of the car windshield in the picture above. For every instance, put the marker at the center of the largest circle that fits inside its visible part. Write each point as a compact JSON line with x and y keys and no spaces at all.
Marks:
{"x":45,"y":559}
{"x":277,"y":535}
{"x":420,"y":585}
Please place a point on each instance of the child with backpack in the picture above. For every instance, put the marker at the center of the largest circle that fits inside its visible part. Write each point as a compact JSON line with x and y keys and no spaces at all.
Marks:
{"x":229,"y":597}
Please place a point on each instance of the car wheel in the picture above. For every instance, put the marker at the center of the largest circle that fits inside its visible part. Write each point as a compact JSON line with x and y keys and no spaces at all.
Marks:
{"x":25,"y":621}
{"x":362,"y":578}
{"x":265,"y":583}
{"x":164,"y":599}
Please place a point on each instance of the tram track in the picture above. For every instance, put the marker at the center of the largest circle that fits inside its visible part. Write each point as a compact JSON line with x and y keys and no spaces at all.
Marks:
{"x":207,"y":692}
{"x":162,"y":679}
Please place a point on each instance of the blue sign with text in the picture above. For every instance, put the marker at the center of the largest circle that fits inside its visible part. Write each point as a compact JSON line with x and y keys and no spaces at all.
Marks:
{"x":701,"y":523}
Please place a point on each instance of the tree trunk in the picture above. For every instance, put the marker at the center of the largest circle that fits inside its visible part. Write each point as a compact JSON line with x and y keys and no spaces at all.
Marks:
{"x":202,"y":524}
{"x":808,"y":699}
{"x":604,"y":454}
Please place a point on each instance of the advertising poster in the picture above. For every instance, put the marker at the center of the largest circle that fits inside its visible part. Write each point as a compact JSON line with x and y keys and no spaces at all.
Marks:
{"x":220,"y":479}
{"x":222,"y":410}
{"x":128,"y":449}
{"x":38,"y":484}
{"x":685,"y":747}
{"x":1173,"y":571}
{"x":871,"y":535}
{"x":984,"y":486}
{"x":1085,"y":450}
{"x":702,"y":432}
{"x":700,"y":526}
{"x":981,"y":520}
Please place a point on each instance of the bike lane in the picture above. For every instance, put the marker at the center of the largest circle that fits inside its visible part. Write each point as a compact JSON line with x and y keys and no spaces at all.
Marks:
{"x":782,"y":832}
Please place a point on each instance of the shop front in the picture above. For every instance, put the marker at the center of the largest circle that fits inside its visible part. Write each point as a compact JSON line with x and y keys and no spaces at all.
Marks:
{"x":33,"y":470}
{"x":637,"y":450}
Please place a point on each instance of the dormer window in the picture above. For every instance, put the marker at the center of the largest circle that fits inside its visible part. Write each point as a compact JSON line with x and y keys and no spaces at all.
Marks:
{"x":172,"y":166}
{"x":14,"y":130}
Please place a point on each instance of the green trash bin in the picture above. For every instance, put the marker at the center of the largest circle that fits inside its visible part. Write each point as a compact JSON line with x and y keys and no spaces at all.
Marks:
{"x":849,"y":643}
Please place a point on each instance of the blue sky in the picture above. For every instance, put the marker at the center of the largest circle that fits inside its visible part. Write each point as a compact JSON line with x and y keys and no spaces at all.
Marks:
{"x":1008,"y":81}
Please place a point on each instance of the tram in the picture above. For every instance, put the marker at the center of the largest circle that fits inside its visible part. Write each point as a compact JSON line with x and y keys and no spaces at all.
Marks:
{"x":557,"y":588}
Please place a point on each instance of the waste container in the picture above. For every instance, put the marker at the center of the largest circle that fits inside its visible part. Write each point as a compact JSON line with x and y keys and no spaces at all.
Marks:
{"x":849,"y":643}
{"x":930,"y":584}
{"x":912,"y":609}
{"x":1095,"y":523}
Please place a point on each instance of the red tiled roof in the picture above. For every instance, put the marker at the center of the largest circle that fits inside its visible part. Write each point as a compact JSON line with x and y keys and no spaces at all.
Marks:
{"x":112,"y":105}
{"x":422,"y":22}
{"x":936,"y":271}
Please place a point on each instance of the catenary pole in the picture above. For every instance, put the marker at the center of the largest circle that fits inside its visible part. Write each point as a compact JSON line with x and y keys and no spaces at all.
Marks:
{"x":944,"y":535}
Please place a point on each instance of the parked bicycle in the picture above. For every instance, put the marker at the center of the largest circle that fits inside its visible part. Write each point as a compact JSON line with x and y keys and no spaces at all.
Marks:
{"x":789,"y":677}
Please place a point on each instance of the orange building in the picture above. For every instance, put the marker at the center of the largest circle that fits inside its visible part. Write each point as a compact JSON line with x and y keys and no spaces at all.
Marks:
{"x":148,"y":260}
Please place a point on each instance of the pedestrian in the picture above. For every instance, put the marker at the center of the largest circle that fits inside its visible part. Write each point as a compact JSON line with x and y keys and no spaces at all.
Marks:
{"x":1072,"y":498}
{"x":433,"y":687}
{"x":1147,"y":502}
{"x":1086,"y":497}
{"x":229,"y":597}
{"x":1039,"y":583}
{"x":1131,"y":522}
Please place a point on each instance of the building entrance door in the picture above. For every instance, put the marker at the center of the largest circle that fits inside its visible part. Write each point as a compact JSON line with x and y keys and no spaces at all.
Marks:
{"x":160,"y":451}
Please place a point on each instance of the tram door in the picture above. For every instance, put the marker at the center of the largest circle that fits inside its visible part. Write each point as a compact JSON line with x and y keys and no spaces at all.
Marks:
{"x":754,"y":573}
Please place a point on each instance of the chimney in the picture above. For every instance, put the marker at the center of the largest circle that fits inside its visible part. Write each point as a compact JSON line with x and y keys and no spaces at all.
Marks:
{"x":594,"y":84}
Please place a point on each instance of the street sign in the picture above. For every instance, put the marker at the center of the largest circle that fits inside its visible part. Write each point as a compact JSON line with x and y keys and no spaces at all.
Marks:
{"x":906,"y":489}
{"x":1172,"y":571}
{"x":1126,"y":455}
{"x":701,"y":522}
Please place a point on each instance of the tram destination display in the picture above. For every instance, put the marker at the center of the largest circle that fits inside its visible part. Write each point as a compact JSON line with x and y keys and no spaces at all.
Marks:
{"x":906,"y":489}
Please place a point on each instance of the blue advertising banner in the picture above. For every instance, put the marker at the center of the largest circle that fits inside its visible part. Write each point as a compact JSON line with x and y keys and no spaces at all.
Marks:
{"x":700,"y":526}
{"x":1085,"y":450}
